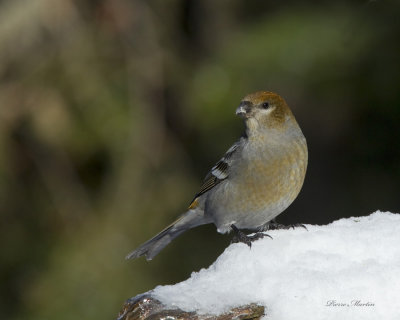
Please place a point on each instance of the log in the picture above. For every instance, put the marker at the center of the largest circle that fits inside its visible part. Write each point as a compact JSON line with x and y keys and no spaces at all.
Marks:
{"x":146,"y":307}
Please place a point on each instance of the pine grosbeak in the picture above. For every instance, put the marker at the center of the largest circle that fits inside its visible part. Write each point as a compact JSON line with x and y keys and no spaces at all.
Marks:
{"x":256,"y":179}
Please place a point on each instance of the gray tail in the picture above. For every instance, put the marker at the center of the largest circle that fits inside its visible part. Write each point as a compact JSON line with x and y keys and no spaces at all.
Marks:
{"x":153,"y":246}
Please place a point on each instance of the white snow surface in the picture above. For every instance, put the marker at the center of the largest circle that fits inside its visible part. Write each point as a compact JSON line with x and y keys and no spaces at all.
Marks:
{"x":349,"y":269}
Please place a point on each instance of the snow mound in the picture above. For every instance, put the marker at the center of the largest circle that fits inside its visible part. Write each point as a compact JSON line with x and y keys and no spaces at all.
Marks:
{"x":349,"y":269}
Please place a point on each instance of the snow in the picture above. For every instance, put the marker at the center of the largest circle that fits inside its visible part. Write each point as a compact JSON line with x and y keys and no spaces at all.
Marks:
{"x":349,"y":269}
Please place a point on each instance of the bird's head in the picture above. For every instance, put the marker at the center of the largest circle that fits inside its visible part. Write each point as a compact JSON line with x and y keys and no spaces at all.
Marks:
{"x":265,"y":110}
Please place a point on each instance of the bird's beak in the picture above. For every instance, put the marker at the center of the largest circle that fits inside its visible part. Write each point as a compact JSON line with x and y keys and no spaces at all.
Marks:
{"x":243,"y":109}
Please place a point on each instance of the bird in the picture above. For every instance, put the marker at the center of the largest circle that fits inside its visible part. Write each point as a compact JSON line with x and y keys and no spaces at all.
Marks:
{"x":259,"y":176}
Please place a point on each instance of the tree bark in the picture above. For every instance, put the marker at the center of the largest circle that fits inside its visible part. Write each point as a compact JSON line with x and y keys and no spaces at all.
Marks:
{"x":145,"y":306}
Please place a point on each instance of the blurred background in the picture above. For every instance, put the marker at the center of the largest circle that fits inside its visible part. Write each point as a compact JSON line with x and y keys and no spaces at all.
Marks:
{"x":113,"y":111}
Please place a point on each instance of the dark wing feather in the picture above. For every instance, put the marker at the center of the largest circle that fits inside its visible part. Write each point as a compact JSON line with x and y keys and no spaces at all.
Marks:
{"x":218,"y":173}
{"x":207,"y":185}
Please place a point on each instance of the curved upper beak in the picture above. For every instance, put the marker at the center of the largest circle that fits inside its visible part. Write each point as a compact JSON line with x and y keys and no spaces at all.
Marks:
{"x":243,"y":109}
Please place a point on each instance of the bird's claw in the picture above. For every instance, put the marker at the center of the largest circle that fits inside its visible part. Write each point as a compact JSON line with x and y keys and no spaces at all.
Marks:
{"x":259,"y":235}
{"x":278,"y":226}
{"x":240,"y":236}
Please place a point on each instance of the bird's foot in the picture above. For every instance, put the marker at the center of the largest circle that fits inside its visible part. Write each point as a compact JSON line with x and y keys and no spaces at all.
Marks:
{"x":258,"y":235}
{"x":278,"y":226}
{"x":240,"y":236}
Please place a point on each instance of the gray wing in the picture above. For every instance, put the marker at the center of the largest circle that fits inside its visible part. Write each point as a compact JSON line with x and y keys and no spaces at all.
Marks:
{"x":218,"y":173}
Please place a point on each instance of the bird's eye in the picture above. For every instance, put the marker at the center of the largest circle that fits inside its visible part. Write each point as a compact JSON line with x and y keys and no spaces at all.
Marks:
{"x":265,"y":105}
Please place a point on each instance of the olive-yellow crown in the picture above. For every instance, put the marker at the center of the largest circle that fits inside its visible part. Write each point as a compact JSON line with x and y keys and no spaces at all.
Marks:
{"x":268,"y":109}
